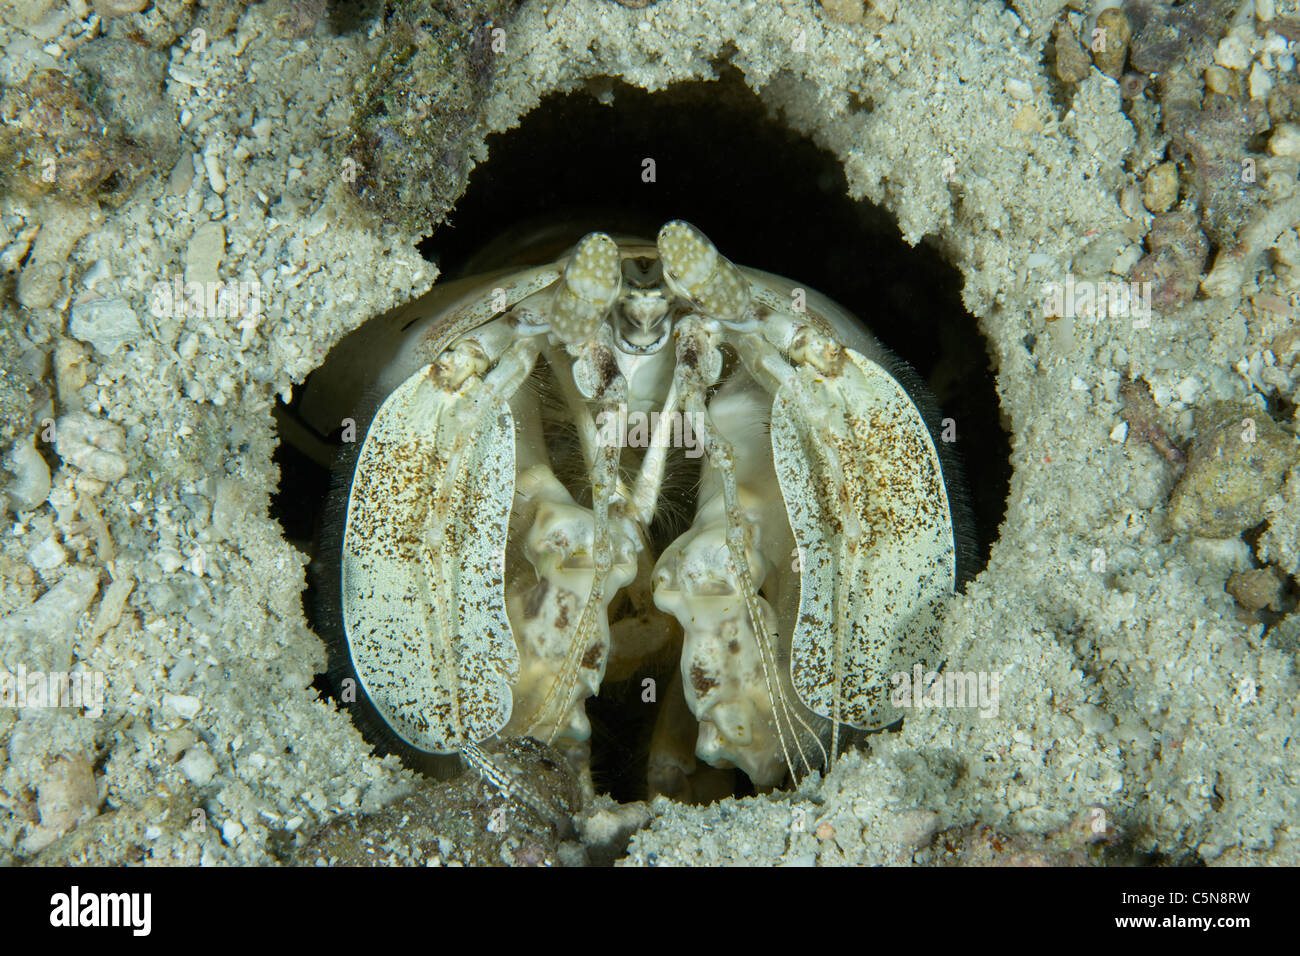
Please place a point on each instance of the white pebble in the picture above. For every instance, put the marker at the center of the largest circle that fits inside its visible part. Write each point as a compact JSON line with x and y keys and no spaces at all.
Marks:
{"x":1094,"y":719}
{"x":169,"y":559}
{"x":1126,"y":260}
{"x":107,"y":324}
{"x":204,"y":252}
{"x":1265,"y":10}
{"x":1019,"y":89}
{"x":1275,"y":44}
{"x":119,"y":8}
{"x":1226,"y":276}
{"x":182,"y":75}
{"x":198,"y":765}
{"x":1260,"y":82}
{"x":1285,"y":140}
{"x":91,"y":444}
{"x":216,"y":179}
{"x":47,"y":555}
{"x":1119,"y":432}
{"x":31,"y":484}
{"x":185,"y":706}
{"x":1232,"y":52}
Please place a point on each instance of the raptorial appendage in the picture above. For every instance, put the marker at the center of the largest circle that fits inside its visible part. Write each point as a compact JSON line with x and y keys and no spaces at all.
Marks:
{"x":484,"y":585}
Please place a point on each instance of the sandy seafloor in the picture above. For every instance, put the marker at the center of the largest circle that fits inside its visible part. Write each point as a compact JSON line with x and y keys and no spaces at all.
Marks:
{"x":1140,"y":688}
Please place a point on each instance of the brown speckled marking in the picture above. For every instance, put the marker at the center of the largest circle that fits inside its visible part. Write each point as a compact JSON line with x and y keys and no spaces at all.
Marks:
{"x":702,"y":681}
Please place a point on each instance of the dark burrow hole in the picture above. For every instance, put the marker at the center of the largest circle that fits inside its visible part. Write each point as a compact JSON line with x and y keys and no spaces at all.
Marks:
{"x":768,"y":198}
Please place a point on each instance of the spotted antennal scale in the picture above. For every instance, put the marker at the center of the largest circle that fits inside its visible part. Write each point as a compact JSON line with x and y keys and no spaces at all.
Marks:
{"x":422,"y":581}
{"x":865,"y":495}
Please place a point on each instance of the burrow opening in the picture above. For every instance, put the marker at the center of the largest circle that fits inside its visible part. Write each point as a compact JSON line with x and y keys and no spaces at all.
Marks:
{"x":618,"y":159}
